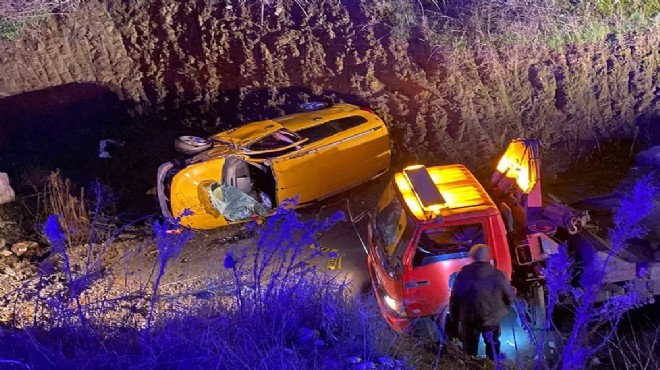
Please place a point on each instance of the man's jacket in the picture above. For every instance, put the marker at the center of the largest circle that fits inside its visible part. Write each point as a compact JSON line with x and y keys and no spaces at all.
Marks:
{"x":481,"y":295}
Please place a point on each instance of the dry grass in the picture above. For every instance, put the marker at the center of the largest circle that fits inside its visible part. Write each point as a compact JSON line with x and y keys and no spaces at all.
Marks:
{"x":24,"y":10}
{"x":18,"y":15}
{"x":70,"y":210}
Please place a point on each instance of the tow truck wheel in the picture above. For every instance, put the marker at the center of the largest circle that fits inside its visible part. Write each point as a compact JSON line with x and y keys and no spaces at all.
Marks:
{"x":537,"y":307}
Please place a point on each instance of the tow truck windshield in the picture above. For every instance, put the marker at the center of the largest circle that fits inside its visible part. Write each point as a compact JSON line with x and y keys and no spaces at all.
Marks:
{"x":392,"y":231}
{"x":448,"y":242}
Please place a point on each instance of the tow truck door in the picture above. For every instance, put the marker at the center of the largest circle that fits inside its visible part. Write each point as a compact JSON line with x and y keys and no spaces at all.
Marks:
{"x":432,"y":261}
{"x":427,"y":288}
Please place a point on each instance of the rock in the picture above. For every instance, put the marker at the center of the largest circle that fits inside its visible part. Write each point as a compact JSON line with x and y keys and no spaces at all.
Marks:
{"x":19,"y":248}
{"x":3,"y":242}
{"x":26,"y":249}
{"x":4,"y":224}
{"x":10,"y":260}
{"x":7,"y":194}
{"x":126,"y":236}
{"x":649,"y":157}
{"x":9,"y":271}
{"x":6,"y":253}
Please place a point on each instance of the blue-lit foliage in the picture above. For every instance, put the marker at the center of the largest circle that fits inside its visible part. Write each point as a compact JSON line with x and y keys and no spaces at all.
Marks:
{"x":594,"y":322}
{"x":170,"y":240}
{"x":285,"y":313}
{"x":55,"y":236}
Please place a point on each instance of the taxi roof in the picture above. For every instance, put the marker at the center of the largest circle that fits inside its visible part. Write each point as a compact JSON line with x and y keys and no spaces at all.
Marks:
{"x":460,"y":194}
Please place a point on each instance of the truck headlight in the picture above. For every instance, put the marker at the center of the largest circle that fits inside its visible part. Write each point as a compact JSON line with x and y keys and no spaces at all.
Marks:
{"x":391,"y":302}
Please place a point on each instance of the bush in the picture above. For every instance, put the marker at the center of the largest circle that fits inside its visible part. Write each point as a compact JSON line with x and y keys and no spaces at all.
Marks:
{"x":595,"y":324}
{"x":546,"y":22}
{"x":282,"y":313}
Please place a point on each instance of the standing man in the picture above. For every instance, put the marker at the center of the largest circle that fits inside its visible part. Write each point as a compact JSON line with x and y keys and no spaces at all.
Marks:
{"x":479,"y":300}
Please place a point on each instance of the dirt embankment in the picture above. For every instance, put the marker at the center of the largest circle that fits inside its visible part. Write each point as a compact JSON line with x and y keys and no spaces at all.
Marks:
{"x":208,"y":66}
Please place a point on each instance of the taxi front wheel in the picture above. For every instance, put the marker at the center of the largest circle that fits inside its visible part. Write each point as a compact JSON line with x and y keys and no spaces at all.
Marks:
{"x":191,"y":144}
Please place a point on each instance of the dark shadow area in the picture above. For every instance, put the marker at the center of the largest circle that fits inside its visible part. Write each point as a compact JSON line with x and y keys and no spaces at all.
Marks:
{"x":61,"y":128}
{"x":650,"y":129}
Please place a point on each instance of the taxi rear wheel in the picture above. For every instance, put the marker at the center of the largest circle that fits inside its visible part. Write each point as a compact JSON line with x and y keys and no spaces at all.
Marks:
{"x":191,"y":144}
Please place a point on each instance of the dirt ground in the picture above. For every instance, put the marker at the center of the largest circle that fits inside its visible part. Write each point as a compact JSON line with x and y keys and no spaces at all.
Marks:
{"x":129,"y":264}
{"x":209,"y":67}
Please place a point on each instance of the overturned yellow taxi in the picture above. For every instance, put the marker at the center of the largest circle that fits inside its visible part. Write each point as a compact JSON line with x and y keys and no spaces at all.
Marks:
{"x":246,"y":172}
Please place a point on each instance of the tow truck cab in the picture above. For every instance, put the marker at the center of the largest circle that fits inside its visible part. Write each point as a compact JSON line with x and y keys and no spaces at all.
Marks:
{"x":425,"y":223}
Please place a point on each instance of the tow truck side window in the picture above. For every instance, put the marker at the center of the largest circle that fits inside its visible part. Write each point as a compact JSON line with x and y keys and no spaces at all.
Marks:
{"x":447,"y":242}
{"x":392,"y":231}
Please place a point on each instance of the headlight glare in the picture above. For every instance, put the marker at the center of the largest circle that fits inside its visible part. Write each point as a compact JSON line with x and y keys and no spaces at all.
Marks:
{"x":391,"y":302}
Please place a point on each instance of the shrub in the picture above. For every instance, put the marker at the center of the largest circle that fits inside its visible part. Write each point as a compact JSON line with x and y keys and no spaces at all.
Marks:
{"x":283,"y":312}
{"x":486,"y":22}
{"x":70,"y":210}
{"x":595,"y":324}
{"x":10,"y":29}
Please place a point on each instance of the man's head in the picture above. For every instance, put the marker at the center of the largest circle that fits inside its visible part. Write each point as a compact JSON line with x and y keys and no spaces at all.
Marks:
{"x":480,"y":252}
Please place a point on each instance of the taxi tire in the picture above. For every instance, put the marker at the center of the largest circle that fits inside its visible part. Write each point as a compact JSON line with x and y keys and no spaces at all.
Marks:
{"x":182,"y":145}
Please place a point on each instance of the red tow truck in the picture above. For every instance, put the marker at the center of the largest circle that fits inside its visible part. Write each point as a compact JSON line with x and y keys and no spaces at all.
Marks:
{"x":429,"y":217}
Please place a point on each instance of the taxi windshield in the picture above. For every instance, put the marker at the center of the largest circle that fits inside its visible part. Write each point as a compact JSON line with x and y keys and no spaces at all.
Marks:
{"x":279,"y":139}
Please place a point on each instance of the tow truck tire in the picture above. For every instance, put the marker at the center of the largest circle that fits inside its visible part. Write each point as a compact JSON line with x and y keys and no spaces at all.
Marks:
{"x":191,"y":144}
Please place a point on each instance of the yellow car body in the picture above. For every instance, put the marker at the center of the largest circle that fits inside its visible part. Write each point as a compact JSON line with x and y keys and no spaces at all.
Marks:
{"x":307,"y":156}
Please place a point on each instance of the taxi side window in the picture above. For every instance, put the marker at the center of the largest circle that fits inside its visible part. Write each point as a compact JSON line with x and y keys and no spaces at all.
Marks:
{"x":329,"y":128}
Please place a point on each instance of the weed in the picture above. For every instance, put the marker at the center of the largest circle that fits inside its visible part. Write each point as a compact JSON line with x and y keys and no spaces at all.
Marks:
{"x":18,"y":15}
{"x":69,"y":209}
{"x":170,"y":244}
{"x":10,"y":29}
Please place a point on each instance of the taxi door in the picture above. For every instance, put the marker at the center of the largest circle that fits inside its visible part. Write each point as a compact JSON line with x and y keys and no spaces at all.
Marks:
{"x":337,"y":162}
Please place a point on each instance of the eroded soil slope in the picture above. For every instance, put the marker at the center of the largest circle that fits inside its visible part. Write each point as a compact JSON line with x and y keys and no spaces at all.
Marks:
{"x":203,"y":64}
